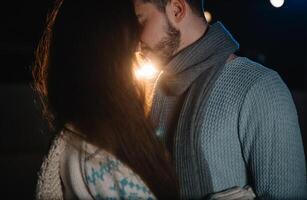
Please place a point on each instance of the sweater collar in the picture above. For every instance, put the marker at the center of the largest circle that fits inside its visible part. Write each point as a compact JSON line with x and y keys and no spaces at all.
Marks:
{"x":209,"y":51}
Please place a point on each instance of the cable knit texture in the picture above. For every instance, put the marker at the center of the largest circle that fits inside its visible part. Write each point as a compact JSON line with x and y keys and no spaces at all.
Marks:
{"x":245,"y":132}
{"x":250,"y":134}
{"x":238,"y":128}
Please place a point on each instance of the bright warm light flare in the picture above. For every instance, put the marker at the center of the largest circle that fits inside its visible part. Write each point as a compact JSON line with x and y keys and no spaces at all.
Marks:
{"x":146,"y":71}
{"x":208,"y":16}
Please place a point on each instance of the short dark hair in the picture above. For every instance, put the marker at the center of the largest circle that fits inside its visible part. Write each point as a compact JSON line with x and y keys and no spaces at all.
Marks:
{"x":196,"y":5}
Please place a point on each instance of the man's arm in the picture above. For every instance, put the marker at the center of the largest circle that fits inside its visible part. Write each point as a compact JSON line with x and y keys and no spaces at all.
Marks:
{"x":271,"y":141}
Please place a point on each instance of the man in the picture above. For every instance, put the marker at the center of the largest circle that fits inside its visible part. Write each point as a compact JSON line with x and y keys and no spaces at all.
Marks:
{"x":226,"y":120}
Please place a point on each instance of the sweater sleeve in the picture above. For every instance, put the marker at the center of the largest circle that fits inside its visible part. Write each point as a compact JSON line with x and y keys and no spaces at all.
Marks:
{"x":89,"y":173}
{"x":108,"y":178}
{"x":271,"y":140}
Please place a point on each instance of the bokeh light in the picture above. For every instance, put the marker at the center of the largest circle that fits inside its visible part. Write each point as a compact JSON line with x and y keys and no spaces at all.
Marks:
{"x":208,"y":16}
{"x":277,"y":3}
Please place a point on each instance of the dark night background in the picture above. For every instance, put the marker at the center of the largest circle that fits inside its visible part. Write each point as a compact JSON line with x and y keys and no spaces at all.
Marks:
{"x":274,"y":37}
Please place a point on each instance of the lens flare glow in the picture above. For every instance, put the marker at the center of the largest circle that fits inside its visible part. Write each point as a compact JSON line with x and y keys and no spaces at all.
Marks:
{"x":146,"y":71}
{"x":277,"y":3}
{"x":145,"y":68}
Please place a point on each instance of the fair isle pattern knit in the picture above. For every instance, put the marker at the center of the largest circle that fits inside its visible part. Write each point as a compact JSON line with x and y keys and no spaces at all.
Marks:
{"x":108,"y":178}
{"x":87,"y":172}
{"x":238,"y":128}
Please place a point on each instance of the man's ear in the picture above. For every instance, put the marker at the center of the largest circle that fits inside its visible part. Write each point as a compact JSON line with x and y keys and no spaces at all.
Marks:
{"x":177,"y":9}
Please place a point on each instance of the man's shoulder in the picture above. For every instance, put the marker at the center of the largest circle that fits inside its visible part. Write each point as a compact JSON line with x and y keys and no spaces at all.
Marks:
{"x":242,"y":73}
{"x":238,"y":77}
{"x":242,"y":67}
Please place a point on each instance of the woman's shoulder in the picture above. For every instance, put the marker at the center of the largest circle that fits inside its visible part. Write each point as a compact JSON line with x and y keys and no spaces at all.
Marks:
{"x":101,"y":173}
{"x":70,"y":168}
{"x":49,"y":180}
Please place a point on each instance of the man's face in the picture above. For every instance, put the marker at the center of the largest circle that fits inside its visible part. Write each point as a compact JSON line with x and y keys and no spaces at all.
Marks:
{"x":159,"y":39}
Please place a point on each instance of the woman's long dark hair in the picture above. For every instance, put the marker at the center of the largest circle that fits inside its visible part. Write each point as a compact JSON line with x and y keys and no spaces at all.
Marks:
{"x":83,"y":75}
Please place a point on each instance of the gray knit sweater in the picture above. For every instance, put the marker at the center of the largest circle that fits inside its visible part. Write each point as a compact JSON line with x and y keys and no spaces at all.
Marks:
{"x":236,"y":127}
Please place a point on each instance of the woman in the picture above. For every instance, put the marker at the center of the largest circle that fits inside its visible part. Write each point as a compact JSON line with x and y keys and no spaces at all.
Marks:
{"x":105,"y":147}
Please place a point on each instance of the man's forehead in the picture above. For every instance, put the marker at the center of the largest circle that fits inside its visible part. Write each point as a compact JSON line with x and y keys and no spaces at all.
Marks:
{"x":139,"y":3}
{"x":141,"y":6}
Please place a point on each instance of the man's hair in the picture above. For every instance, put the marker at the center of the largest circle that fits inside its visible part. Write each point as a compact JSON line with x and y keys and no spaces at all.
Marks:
{"x":196,"y":5}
